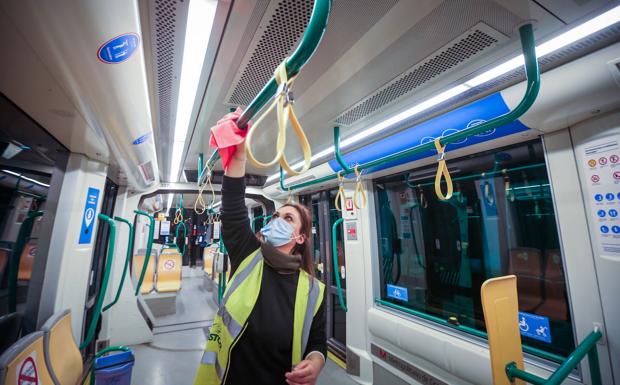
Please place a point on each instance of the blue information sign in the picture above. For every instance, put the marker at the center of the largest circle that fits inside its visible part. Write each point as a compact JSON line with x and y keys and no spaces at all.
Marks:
{"x":118,"y":49}
{"x":88,"y":217}
{"x":397,"y":292}
{"x":534,"y":326}
{"x":141,"y":139}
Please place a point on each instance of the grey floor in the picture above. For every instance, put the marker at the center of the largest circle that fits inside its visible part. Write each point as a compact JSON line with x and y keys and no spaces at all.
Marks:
{"x":179,"y":339}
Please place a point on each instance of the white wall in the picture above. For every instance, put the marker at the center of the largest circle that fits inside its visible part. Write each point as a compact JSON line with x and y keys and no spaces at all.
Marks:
{"x":68,"y":266}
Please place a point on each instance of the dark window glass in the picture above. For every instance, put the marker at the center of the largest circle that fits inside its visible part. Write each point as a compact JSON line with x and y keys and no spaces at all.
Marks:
{"x":500,"y":221}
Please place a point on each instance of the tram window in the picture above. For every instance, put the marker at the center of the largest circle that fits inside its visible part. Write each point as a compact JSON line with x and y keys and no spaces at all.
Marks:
{"x":500,"y":220}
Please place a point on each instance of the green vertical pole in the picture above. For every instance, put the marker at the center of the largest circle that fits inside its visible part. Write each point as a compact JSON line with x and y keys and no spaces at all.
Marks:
{"x":335,"y":259}
{"x":127,"y":259}
{"x":149,"y":246}
{"x":24,"y":232}
{"x":104,"y":283}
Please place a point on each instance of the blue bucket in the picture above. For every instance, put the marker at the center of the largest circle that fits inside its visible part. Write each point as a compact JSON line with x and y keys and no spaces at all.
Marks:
{"x":114,"y":369}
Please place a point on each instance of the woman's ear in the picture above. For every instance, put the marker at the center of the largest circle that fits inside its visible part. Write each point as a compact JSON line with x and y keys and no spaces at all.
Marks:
{"x":300,"y":239}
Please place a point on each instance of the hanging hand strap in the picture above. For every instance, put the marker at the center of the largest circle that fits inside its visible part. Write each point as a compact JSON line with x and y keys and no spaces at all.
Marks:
{"x":442,"y":170}
{"x":200,"y":200}
{"x":284,"y":110}
{"x":178,"y":215}
{"x":341,"y":194}
{"x":507,"y":189}
{"x":359,"y":189}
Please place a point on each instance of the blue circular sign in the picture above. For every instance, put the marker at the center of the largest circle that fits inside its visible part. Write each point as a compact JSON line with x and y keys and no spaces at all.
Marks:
{"x":613,"y":213}
{"x":599,"y":197}
{"x":604,"y":229}
{"x":119,"y":49}
{"x":615,"y":229}
{"x":601,"y":213}
{"x":610,"y":196}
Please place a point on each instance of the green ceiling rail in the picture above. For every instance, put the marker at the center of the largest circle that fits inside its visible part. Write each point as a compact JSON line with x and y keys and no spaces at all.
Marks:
{"x":127,"y":259}
{"x":149,"y":247}
{"x":25,"y":229}
{"x":586,"y":347}
{"x":104,"y":283}
{"x":532,"y":72}
{"x":308,"y":45}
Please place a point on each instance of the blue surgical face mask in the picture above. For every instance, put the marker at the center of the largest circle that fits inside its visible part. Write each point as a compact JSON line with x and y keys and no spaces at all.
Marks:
{"x":278,"y":232}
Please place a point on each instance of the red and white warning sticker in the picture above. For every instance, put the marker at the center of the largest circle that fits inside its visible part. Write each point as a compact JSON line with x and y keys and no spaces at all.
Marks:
{"x":168,"y":264}
{"x":27,"y":371}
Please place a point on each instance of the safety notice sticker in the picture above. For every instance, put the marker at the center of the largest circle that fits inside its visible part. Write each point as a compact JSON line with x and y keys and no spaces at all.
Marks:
{"x":88,"y":217}
{"x":27,"y":373}
{"x":601,"y":167}
{"x":534,"y":326}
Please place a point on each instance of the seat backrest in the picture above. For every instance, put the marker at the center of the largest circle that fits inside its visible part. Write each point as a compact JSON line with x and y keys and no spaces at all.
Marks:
{"x":525,"y":261}
{"x":207,"y":259}
{"x":149,"y":276}
{"x":24,"y":362}
{"x":169,"y":272}
{"x":553,"y":265}
{"x":27,"y":261}
{"x":62,"y":354}
{"x":4,"y":262}
{"x":10,"y":324}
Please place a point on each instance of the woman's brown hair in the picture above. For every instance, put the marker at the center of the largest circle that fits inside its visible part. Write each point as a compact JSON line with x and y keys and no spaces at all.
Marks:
{"x":304,"y":249}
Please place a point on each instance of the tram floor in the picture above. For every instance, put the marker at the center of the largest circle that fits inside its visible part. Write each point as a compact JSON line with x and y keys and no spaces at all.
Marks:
{"x":179,"y":339}
{"x":158,"y":366}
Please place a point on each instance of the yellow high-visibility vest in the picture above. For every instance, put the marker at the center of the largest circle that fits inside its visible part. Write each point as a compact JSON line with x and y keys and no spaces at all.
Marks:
{"x":235,"y":309}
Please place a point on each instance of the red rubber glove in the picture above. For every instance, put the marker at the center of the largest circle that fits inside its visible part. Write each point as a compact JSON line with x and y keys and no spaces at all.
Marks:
{"x":225,"y":136}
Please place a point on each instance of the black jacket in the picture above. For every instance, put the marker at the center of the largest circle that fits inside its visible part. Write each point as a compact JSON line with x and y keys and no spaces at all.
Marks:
{"x":263,"y":353}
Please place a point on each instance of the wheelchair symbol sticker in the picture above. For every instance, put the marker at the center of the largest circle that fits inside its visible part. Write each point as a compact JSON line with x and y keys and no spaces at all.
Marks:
{"x":534,"y":326}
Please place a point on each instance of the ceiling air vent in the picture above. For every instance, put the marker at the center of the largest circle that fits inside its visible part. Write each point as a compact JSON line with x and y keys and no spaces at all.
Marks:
{"x":280,"y":34}
{"x":475,"y":42}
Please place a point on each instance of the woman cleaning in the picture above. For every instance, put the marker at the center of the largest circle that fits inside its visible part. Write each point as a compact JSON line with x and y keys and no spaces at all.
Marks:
{"x":270,"y":327}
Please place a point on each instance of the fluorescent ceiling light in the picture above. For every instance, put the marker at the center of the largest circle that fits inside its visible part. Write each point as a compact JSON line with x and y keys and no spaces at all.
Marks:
{"x":21,"y":176}
{"x":199,"y":22}
{"x":579,"y":32}
{"x":169,"y":203}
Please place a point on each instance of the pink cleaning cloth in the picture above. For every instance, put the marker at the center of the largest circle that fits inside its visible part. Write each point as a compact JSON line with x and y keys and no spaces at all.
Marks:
{"x":225,"y":136}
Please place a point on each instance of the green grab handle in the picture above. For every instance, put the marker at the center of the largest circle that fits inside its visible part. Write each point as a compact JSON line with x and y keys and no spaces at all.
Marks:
{"x":532,"y":72}
{"x":127,"y":259}
{"x":335,"y":259}
{"x":586,"y":347}
{"x":149,"y":246}
{"x":16,"y":254}
{"x":104,"y":283}
{"x":176,"y":235}
{"x":308,"y":45}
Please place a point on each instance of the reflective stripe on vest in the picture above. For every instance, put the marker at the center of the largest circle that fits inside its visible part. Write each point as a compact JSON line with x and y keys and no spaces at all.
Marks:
{"x":237,"y":304}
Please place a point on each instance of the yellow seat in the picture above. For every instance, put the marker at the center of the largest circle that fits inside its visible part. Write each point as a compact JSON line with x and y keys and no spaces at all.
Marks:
{"x":62,"y":354}
{"x":149,"y":275}
{"x":169,"y":273}
{"x":24,"y":362}
{"x":26,"y":261}
{"x":207,"y":259}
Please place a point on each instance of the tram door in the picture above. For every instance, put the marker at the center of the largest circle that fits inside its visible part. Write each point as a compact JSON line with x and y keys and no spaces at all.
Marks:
{"x":324,"y":214}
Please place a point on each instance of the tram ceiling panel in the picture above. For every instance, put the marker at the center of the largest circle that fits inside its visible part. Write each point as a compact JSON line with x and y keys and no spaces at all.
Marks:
{"x":94,"y":51}
{"x":164,"y":24}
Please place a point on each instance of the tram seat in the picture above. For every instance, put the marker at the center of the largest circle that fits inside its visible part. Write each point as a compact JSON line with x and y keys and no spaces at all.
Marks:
{"x":525,"y":264}
{"x":169,"y":272}
{"x":27,"y":261}
{"x":207,"y":260}
{"x":554,"y":306}
{"x":62,"y":354}
{"x":10,"y":324}
{"x":149,"y":275}
{"x":24,"y":362}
